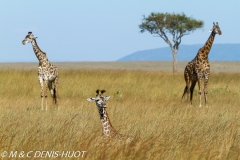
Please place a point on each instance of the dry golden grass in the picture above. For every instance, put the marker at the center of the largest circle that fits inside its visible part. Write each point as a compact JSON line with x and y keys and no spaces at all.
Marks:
{"x":145,"y":105}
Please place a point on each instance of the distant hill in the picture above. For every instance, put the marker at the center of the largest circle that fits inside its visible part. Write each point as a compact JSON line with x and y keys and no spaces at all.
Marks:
{"x":219,"y":52}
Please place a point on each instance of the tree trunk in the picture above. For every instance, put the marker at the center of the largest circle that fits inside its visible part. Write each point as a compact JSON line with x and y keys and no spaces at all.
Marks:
{"x":174,"y":53}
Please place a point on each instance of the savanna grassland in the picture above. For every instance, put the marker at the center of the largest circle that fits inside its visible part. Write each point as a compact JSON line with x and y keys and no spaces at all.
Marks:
{"x":145,"y":105}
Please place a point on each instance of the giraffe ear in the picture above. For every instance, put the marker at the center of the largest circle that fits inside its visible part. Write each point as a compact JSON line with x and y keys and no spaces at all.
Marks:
{"x":106,"y":98}
{"x":91,"y":99}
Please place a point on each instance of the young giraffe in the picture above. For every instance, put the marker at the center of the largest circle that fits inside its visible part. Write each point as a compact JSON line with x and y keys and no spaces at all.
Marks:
{"x":107,"y":129}
{"x":47,"y":73}
{"x":199,"y":68}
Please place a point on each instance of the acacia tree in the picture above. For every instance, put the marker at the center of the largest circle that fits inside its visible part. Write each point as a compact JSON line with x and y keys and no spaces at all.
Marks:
{"x":175,"y":25}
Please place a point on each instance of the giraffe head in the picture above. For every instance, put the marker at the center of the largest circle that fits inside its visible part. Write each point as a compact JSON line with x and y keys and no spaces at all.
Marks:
{"x":29,"y":38}
{"x":100,"y":99}
{"x":216,"y":29}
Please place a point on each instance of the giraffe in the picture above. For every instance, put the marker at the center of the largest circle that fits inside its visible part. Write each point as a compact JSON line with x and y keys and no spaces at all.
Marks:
{"x":107,"y":129}
{"x":199,"y":68}
{"x":47,"y":72}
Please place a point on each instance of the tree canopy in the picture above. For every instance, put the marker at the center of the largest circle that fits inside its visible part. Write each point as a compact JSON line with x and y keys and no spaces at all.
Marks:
{"x":177,"y":25}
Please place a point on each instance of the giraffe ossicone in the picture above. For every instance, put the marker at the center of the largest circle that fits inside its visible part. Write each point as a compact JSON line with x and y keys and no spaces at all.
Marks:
{"x":199,"y":68}
{"x":47,"y":72}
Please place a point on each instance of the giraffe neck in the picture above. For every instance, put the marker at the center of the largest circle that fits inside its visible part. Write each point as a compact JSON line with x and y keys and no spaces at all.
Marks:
{"x":107,"y":127}
{"x":41,"y":56}
{"x":204,"y":51}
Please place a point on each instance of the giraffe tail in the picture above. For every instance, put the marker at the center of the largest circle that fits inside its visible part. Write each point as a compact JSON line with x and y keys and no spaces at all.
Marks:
{"x":185,"y":91}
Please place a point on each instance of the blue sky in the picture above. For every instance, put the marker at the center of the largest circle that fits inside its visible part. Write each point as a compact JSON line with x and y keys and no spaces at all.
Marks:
{"x":105,"y":30}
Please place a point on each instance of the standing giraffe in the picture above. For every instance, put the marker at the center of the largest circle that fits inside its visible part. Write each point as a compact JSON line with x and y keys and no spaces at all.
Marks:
{"x":199,"y":68}
{"x":47,"y":73}
{"x":107,"y":129}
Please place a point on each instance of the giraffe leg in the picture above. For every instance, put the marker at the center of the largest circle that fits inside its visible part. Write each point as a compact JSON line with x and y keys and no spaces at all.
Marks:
{"x":191,"y":90}
{"x":46,"y":88}
{"x":188,"y":93}
{"x":205,"y":90}
{"x":42,"y":90}
{"x":55,"y":95}
{"x":51,"y":89}
{"x":187,"y":80}
{"x":187,"y":88}
{"x":200,"y":92}
{"x":184,"y":92}
{"x":46,"y":103}
{"x":42,"y":103}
